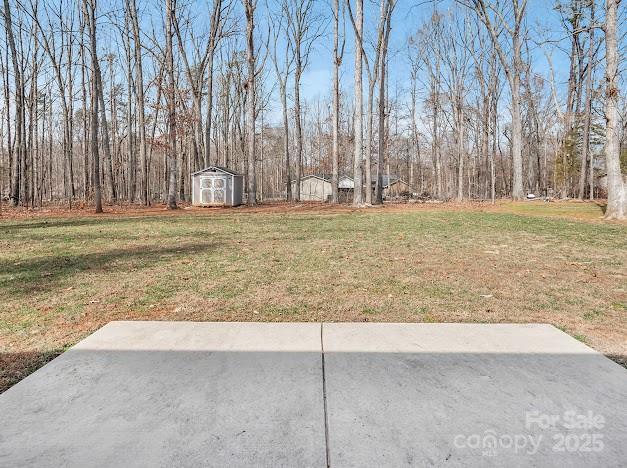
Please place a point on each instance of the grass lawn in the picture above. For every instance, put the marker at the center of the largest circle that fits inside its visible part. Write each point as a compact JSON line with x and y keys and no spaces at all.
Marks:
{"x":61,"y":278}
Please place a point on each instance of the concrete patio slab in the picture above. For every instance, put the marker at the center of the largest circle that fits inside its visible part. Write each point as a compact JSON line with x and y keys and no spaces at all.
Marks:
{"x":471,"y":395}
{"x":251,"y":394}
{"x":172,"y":394}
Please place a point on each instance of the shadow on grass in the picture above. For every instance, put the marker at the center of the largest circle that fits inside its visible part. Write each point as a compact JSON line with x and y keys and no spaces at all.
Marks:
{"x":79,"y":221}
{"x":602,"y":205}
{"x":45,"y":273}
{"x":63,"y":223}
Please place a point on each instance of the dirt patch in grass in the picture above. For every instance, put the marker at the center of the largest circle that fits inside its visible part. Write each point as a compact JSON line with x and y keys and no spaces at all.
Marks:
{"x":64,"y":275}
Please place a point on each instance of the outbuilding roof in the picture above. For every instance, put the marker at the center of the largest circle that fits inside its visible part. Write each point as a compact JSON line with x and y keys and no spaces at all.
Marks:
{"x":325,"y":177}
{"x":217,"y":169}
{"x":389,"y":180}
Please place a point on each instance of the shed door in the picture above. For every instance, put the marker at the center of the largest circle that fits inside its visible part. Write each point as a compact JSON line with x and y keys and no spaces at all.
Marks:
{"x":212,"y":190}
{"x":219,"y":188}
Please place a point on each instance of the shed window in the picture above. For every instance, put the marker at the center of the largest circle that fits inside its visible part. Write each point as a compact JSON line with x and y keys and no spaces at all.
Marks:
{"x":218,"y":183}
{"x":218,"y":196}
{"x":205,"y":182}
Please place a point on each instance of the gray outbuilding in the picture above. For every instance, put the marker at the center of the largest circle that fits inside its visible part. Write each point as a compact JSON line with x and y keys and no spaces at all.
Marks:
{"x":217,"y":186}
{"x":317,"y":187}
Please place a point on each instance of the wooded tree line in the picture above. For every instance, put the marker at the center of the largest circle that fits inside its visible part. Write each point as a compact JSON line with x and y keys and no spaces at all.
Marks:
{"x":120,"y":101}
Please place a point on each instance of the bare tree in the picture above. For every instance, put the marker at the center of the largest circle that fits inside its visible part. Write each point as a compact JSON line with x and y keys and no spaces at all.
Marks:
{"x":106,"y":145}
{"x":251,"y":117}
{"x":486,"y":73}
{"x":390,"y":4}
{"x":373,"y":78}
{"x":358,"y":126}
{"x":615,"y":185}
{"x":283,"y":67}
{"x":494,"y":16}
{"x":141,"y":101}
{"x":89,"y":9}
{"x":219,"y":13}
{"x":19,"y":152}
{"x":431,"y":41}
{"x":87,"y":173}
{"x":457,"y":41}
{"x":415,"y":136}
{"x":195,"y":72}
{"x":338,"y":54}
{"x":304,"y":28}
{"x":171,"y":101}
{"x":48,"y":41}
{"x":585,"y":147}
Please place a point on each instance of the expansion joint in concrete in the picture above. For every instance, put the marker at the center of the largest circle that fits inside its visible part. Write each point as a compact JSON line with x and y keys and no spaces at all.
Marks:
{"x":324,"y":399}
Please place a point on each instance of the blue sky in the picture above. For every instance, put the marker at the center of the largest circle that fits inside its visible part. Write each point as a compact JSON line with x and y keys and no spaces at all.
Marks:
{"x":409,"y":16}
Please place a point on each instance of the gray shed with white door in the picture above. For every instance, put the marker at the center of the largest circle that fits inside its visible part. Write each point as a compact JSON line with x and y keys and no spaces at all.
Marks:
{"x":217,"y":186}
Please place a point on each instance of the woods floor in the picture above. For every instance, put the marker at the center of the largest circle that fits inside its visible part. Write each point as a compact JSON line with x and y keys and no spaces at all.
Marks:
{"x":64,"y":274}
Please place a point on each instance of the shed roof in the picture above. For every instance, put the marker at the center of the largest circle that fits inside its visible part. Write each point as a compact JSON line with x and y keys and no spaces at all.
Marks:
{"x":389,"y":180}
{"x":217,"y":169}
{"x":325,"y":177}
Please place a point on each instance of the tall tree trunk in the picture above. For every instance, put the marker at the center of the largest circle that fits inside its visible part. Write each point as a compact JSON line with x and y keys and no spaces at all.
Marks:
{"x":493,"y":115}
{"x":214,"y":37}
{"x":367,"y":168}
{"x":460,"y":150}
{"x":19,"y":151}
{"x":372,"y":82}
{"x":130,"y":141}
{"x":615,"y":185}
{"x":368,"y":143}
{"x":358,"y":128}
{"x":414,"y":134}
{"x":171,"y":99}
{"x":585,"y":147}
{"x":90,"y":18}
{"x":141,"y":102}
{"x":298,"y":127}
{"x":336,"y":104}
{"x":382,"y":101}
{"x":70,"y":115}
{"x":7,"y":110}
{"x":513,"y":69}
{"x":286,"y":143}
{"x":106,"y":145}
{"x":250,"y":6}
{"x":209,"y":121}
{"x":85,"y":123}
{"x":437,"y":166}
{"x":517,"y":170}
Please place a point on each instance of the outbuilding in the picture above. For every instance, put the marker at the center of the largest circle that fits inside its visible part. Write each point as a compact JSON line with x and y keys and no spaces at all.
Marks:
{"x":394,"y":187}
{"x":317,"y":187}
{"x":217,"y":186}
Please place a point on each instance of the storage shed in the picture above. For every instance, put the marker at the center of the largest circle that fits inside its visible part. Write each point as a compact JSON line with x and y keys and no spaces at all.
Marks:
{"x":314,"y":188}
{"x":394,"y":187}
{"x":217,"y":186}
{"x":317,"y":187}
